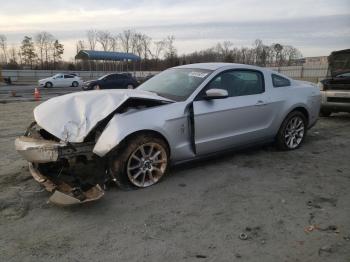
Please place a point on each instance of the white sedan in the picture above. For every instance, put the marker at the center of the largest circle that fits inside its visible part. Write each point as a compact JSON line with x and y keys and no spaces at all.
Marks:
{"x":61,"y":80}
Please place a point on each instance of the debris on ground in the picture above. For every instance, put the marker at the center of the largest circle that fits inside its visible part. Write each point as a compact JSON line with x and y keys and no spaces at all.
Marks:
{"x":251,"y":233}
{"x":243,"y":236}
{"x":329,"y":229}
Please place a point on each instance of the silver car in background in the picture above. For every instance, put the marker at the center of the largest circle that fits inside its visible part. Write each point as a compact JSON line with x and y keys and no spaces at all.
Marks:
{"x":184,"y":113}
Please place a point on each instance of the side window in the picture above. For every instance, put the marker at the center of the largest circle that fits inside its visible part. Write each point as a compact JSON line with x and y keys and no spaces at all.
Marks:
{"x":279,"y":81}
{"x":110,"y":77}
{"x":239,"y":82}
{"x":68,"y":76}
{"x":123,"y":77}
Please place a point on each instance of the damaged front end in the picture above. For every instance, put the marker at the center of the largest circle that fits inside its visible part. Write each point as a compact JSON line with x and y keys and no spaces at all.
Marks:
{"x":62,"y":151}
{"x":69,"y":170}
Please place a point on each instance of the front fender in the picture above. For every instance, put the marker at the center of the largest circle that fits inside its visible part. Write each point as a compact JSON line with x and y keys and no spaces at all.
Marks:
{"x":118,"y":128}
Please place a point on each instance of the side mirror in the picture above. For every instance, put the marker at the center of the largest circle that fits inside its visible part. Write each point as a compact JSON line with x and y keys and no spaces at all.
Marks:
{"x":216,"y":93}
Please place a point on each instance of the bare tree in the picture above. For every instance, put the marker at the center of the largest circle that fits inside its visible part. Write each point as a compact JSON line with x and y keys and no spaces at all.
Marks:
{"x":170,"y":50}
{"x":126,"y":40}
{"x":158,"y":49}
{"x":92,"y":38}
{"x":104,"y":38}
{"x":3,"y":46}
{"x":19,"y":53}
{"x":80,"y":45}
{"x":114,"y":43}
{"x":136,"y":44}
{"x":12,"y":55}
{"x":43,"y":42}
{"x":146,"y":44}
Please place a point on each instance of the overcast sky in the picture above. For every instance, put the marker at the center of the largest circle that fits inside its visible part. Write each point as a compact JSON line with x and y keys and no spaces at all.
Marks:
{"x":314,"y":27}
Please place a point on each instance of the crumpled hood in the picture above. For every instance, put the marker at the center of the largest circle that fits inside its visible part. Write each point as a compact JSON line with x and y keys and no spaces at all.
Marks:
{"x":71,"y":117}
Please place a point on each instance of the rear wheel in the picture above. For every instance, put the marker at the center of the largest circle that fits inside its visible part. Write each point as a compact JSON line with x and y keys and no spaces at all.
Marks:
{"x":325,"y":113}
{"x":75,"y":84}
{"x":141,"y":162}
{"x":292,"y":131}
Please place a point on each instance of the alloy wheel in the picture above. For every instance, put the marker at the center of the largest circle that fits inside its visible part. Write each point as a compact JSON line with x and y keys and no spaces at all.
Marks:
{"x":294,"y":132}
{"x":147,"y":164}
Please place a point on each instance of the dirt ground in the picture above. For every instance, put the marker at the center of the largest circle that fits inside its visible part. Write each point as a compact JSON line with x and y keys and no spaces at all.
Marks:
{"x":291,"y":206}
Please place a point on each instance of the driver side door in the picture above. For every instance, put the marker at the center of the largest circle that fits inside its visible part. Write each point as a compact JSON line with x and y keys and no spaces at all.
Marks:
{"x":58,"y":81}
{"x":243,"y":117}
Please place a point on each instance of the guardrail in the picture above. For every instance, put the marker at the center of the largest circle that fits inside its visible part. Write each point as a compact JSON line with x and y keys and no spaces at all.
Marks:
{"x":312,"y":73}
{"x":32,"y":76}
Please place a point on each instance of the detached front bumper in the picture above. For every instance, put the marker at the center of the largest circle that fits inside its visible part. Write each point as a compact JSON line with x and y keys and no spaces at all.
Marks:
{"x":63,"y":194}
{"x":40,"y":152}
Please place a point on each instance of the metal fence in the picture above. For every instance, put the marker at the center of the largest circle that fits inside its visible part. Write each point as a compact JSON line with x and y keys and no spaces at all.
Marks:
{"x":32,"y":76}
{"x":312,"y":73}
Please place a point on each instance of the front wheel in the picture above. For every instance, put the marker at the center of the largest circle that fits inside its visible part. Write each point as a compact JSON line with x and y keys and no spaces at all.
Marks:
{"x":48,"y":84}
{"x":292,"y":131}
{"x":141,"y":162}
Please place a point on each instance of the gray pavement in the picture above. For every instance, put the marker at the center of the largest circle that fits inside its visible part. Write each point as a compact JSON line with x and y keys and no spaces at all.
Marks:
{"x":16,"y":93}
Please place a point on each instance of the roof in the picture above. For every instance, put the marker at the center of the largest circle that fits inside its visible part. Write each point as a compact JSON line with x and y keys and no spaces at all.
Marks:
{"x":106,"y":55}
{"x":215,"y":66}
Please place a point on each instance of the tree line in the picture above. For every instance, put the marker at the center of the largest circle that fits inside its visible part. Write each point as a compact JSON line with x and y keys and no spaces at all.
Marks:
{"x":44,"y":51}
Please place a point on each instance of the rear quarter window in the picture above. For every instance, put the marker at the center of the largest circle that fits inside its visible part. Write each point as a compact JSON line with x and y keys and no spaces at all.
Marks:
{"x":279,"y":81}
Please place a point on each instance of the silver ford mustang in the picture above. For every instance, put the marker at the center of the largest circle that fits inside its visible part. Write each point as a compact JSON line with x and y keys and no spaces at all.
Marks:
{"x":82,"y":140}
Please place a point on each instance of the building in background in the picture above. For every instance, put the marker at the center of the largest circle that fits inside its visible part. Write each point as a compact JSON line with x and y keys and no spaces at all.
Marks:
{"x":316,"y":60}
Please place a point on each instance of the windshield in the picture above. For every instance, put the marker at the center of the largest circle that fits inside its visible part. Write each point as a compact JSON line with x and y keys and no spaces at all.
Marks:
{"x":176,"y":83}
{"x":100,"y":78}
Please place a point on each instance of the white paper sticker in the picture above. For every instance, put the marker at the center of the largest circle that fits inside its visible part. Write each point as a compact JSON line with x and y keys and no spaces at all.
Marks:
{"x":198,"y":74}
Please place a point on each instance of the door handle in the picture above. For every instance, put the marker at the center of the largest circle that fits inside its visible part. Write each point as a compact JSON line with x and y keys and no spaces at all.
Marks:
{"x":260,"y":103}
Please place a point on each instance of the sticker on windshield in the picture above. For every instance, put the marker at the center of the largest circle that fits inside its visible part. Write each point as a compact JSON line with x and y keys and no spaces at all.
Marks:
{"x":198,"y":74}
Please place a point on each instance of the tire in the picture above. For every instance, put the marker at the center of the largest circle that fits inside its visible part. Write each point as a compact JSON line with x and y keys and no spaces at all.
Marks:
{"x":292,"y":131}
{"x":131,"y":168}
{"x":130,"y":86}
{"x":96,"y":87}
{"x":75,"y":84}
{"x":325,"y":113}
{"x":48,"y":85}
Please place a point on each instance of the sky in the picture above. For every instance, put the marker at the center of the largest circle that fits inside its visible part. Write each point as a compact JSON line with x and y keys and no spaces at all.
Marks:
{"x":315,"y":27}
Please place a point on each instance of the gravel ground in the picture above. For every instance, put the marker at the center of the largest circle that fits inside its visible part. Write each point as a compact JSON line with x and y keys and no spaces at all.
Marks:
{"x":291,"y":206}
{"x":25,"y":93}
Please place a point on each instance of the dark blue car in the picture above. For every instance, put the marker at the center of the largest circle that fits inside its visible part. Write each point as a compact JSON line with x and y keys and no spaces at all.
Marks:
{"x":112,"y":81}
